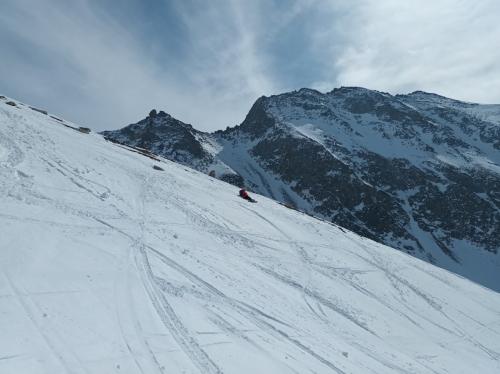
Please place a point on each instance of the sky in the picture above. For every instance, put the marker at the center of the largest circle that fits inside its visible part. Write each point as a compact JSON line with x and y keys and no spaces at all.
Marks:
{"x":105,"y":64}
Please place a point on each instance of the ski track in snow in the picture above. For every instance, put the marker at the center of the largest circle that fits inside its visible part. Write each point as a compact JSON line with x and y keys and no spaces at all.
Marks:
{"x":108,"y":266}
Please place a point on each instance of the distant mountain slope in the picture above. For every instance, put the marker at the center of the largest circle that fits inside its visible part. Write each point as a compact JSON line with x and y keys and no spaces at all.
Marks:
{"x":166,"y":136}
{"x":418,"y":172}
{"x":110,"y":266}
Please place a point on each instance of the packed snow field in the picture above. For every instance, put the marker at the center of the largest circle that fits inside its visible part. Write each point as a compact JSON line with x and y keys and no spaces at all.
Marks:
{"x":110,"y":266}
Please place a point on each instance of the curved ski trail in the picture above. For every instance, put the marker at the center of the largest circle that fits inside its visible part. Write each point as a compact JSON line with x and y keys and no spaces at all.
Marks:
{"x":159,"y":301}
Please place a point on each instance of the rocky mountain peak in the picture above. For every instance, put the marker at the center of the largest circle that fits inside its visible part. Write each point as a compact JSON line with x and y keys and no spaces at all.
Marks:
{"x":258,"y":119}
{"x":163,"y":134}
{"x":166,"y":136}
{"x":165,"y":121}
{"x":354,"y":91}
{"x":161,"y":114}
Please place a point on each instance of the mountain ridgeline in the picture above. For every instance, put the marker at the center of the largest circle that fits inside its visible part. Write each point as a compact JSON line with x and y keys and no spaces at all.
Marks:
{"x":418,"y":172}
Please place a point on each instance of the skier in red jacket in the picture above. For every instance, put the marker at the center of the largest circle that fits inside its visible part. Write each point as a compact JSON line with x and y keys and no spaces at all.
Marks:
{"x":244,"y":194}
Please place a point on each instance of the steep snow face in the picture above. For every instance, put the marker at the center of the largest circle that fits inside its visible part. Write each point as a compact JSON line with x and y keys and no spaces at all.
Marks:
{"x":476,"y":126}
{"x":486,"y":112}
{"x":109,"y":266}
{"x":415,"y":127}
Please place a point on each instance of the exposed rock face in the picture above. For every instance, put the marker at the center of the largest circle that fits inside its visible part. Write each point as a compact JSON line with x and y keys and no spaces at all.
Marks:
{"x":164,"y":135}
{"x":418,"y":172}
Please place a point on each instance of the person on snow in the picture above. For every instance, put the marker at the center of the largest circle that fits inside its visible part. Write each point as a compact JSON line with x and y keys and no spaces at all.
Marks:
{"x":244,"y":194}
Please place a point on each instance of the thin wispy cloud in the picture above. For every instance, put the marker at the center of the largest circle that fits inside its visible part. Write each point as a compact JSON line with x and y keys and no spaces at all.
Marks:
{"x":79,"y":62}
{"x":446,"y":46}
{"x":225,"y":63}
{"x":206,"y":62}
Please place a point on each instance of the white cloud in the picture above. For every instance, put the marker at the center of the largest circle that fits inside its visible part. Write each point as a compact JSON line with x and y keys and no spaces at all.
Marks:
{"x":225,"y":66}
{"x":95,"y":55}
{"x":446,"y":46}
{"x":91,"y":68}
{"x":117,"y":82}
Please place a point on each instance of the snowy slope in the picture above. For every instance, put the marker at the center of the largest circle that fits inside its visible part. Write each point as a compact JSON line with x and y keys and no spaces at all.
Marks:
{"x":486,"y":112}
{"x":109,"y":266}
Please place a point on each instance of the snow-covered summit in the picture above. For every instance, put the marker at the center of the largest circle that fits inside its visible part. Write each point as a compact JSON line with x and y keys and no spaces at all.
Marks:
{"x":110,"y":266}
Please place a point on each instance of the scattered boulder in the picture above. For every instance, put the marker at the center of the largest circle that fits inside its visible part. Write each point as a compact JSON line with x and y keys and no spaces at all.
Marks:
{"x":156,"y":167}
{"x":84,"y":130}
{"x":144,"y":151}
{"x":38,"y":110}
{"x":234,"y":179}
{"x":2,"y":97}
{"x":153,"y":113}
{"x":211,"y":173}
{"x":11,"y":103}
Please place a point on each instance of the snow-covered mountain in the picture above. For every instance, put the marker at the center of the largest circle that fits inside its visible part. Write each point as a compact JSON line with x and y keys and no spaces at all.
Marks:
{"x":418,"y":172}
{"x":108,"y":265}
{"x":164,"y":135}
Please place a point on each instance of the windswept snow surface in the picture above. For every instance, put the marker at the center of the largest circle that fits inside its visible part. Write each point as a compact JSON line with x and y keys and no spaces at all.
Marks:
{"x":108,"y":266}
